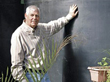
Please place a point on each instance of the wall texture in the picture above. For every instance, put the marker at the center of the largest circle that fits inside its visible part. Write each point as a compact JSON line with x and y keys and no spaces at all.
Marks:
{"x":91,"y":27}
{"x":11,"y":16}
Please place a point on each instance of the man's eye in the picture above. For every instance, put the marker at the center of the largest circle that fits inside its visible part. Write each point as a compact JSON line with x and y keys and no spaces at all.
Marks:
{"x":37,"y":15}
{"x":32,"y":15}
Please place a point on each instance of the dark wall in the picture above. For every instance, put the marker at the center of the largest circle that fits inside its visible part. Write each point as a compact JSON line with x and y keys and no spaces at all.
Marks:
{"x":91,"y":27}
{"x":11,"y":16}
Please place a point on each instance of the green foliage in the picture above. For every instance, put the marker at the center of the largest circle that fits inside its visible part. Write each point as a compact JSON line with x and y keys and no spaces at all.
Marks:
{"x":6,"y":78}
{"x":22,"y":1}
{"x":48,"y":60}
{"x":106,"y":62}
{"x":108,"y":76}
{"x":103,"y":62}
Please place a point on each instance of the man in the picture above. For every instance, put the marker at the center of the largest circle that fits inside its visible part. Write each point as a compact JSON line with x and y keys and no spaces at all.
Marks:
{"x":28,"y":36}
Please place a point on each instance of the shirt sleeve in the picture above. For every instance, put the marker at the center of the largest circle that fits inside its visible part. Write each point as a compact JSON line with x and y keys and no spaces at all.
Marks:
{"x":54,"y":26}
{"x":17,"y":57}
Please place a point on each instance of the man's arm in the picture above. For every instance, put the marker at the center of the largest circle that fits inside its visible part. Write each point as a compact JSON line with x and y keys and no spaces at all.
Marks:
{"x":17,"y":57}
{"x":54,"y":26}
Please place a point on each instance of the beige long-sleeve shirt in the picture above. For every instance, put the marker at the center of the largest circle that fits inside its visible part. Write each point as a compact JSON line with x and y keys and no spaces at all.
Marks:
{"x":25,"y":40}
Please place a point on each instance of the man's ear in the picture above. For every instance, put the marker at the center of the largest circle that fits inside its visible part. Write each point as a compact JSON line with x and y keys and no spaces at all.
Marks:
{"x":25,"y":15}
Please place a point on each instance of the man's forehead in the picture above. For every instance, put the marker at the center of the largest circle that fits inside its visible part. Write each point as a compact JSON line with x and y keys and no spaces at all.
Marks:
{"x":34,"y":10}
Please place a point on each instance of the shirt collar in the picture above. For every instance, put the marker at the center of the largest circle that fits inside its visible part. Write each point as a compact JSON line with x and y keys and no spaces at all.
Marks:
{"x":27,"y":28}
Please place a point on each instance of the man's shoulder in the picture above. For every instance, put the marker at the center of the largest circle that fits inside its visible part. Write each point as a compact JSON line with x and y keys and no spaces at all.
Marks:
{"x":17,"y":32}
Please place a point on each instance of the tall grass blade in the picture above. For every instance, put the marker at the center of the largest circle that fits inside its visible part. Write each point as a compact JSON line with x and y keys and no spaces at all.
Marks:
{"x":34,"y":64}
{"x":42,"y":58}
{"x":33,"y":69}
{"x":49,"y":57}
{"x":46,"y":57}
{"x":30,"y":73}
{"x":6,"y":75}
{"x":41,"y":68}
{"x":2,"y":77}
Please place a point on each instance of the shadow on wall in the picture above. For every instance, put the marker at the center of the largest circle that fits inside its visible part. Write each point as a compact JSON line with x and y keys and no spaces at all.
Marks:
{"x":69,"y":60}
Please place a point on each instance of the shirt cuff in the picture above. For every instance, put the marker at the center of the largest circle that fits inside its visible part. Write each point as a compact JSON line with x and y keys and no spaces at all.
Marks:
{"x":69,"y":17}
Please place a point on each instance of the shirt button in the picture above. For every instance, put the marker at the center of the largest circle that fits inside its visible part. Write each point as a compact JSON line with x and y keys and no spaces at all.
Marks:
{"x":34,"y":36}
{"x":33,"y":31}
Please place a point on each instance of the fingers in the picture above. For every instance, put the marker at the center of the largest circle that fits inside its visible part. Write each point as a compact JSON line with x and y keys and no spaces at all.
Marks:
{"x":73,"y":10}
{"x":73,"y":7}
{"x":76,"y":13}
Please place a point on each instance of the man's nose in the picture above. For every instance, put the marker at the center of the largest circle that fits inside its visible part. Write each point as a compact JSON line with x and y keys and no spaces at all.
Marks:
{"x":34,"y":17}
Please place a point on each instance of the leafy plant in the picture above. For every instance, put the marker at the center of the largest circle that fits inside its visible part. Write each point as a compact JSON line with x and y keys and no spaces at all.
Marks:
{"x":50,"y":58}
{"x":105,"y":62}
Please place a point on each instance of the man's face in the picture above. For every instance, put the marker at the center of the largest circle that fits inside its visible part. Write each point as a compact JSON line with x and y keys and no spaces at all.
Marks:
{"x":32,"y":18}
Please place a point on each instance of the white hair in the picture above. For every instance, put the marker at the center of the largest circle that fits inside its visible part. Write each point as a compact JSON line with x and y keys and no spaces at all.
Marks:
{"x":32,"y":7}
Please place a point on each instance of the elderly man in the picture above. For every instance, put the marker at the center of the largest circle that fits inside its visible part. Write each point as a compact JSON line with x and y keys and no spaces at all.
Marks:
{"x":28,"y":35}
